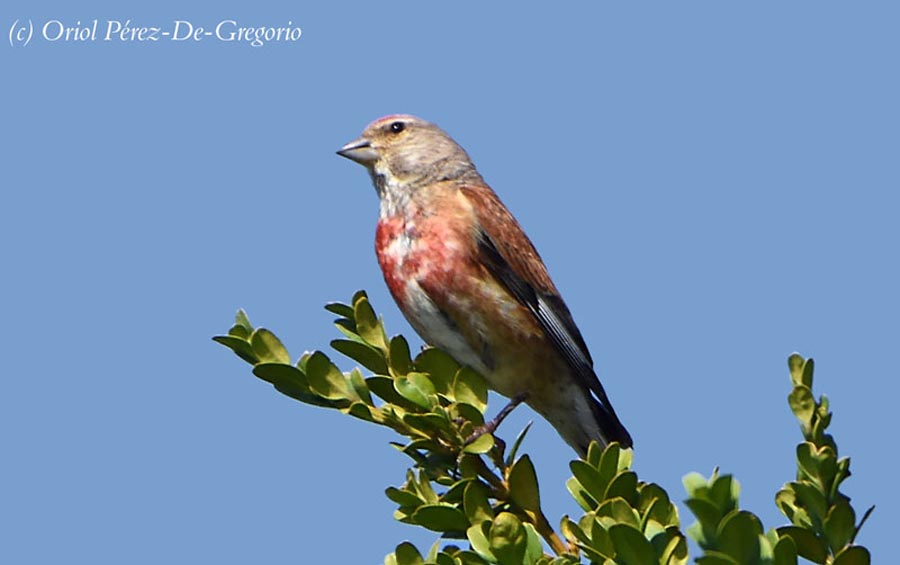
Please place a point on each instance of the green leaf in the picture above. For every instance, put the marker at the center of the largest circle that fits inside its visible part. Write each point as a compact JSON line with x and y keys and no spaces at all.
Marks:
{"x":738,"y":536}
{"x":843,"y":470}
{"x":341,"y":309}
{"x":443,"y":558}
{"x":401,"y":363}
{"x":840,"y":525}
{"x":589,"y":478}
{"x":368,"y":325}
{"x":632,"y":548}
{"x":358,"y":383}
{"x":676,"y":550}
{"x":326,"y":380}
{"x":724,"y":493}
{"x":594,"y":453}
{"x":290,"y":381}
{"x":609,"y":462}
{"x":440,"y":366}
{"x":365,"y":412}
{"x":534,"y":549}
{"x":454,"y":494}
{"x":404,"y":497}
{"x":241,"y":347}
{"x":508,"y":539}
{"x":809,"y":461}
{"x":348,"y":328}
{"x":268,"y":348}
{"x":626,"y":457}
{"x":416,"y":388}
{"x":808,"y":545}
{"x":467,"y":413}
{"x":478,"y":539}
{"x":363,"y":353}
{"x":594,"y":555}
{"x":440,"y":518}
{"x":383,"y":388}
{"x":710,"y":500}
{"x":240,"y":331}
{"x":476,"y":502}
{"x":418,"y":450}
{"x":854,"y":555}
{"x":828,"y":468}
{"x":801,"y":370}
{"x":572,"y":531}
{"x":523,"y":485}
{"x":429,"y":424}
{"x":650,"y":526}
{"x":802,"y":404}
{"x":600,"y":538}
{"x":581,"y":496}
{"x":470,"y":388}
{"x":786,"y":500}
{"x":705,"y":511}
{"x":812,"y":501}
{"x":623,"y":485}
{"x":696,"y":532}
{"x":241,"y":319}
{"x":784,"y":552}
{"x":482,"y":444}
{"x":423,"y":486}
{"x":694,"y":483}
{"x":407,"y":554}
{"x":617,"y":511}
{"x":655,"y":504}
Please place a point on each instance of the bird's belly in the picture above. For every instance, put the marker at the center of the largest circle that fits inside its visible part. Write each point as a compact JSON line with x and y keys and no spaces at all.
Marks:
{"x":478,"y":326}
{"x":437,"y":329}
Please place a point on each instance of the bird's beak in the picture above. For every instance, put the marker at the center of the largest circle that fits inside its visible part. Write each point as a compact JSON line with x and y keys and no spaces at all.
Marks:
{"x":359,"y":150}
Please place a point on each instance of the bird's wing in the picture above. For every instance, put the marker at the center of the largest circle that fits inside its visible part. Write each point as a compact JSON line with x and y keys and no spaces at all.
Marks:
{"x":512,"y":259}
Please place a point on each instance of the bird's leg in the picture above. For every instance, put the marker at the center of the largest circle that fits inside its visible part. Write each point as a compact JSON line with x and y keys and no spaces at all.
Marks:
{"x":491,"y":427}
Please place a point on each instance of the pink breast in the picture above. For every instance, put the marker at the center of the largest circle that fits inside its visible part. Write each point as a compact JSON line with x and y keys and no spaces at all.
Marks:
{"x":428,"y":252}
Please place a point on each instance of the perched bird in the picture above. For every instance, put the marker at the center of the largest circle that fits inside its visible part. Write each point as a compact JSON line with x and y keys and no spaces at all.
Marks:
{"x":470,"y":282}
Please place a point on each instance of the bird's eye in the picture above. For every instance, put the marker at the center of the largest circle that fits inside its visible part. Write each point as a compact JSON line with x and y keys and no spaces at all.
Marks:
{"x":397,"y":127}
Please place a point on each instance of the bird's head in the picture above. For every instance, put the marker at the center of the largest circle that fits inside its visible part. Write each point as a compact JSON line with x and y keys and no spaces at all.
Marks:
{"x":404,"y":152}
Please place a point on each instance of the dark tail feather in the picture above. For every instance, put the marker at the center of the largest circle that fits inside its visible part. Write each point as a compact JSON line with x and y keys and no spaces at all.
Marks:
{"x":610,"y":426}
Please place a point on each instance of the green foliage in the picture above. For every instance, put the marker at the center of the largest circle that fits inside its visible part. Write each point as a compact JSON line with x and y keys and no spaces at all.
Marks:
{"x":625,"y":520}
{"x":823,"y":523}
{"x":726,"y":533}
{"x":466,"y":486}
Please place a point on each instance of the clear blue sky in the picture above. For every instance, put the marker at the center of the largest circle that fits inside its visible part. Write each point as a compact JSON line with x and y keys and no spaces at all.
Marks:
{"x":713,"y":186}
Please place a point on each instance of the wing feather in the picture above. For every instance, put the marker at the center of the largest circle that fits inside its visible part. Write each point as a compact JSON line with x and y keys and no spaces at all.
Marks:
{"x":513,"y":260}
